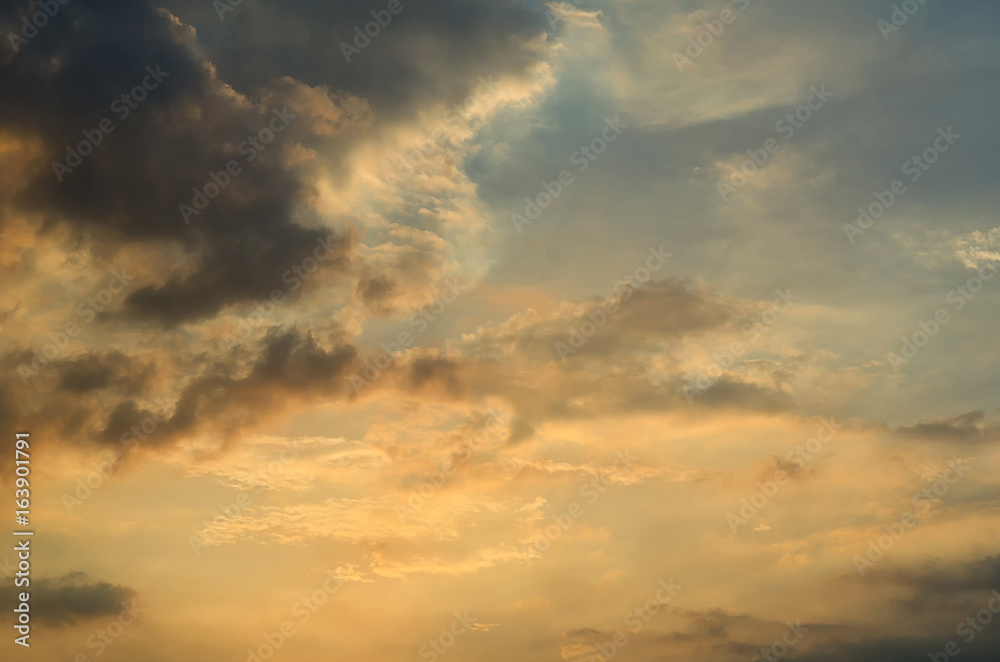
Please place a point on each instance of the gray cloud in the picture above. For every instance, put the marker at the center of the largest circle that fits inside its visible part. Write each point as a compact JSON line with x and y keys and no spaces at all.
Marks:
{"x":129,"y":191}
{"x":70,"y":599}
{"x":971,"y":427}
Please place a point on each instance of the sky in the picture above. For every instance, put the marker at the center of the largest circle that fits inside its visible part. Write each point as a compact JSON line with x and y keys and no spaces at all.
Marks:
{"x":472,"y":330}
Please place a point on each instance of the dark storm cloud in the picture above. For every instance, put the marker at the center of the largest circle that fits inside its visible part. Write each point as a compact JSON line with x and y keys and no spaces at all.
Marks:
{"x":93,"y":372}
{"x":706,"y":634}
{"x":228,"y":396}
{"x":672,"y":308}
{"x":74,"y":390}
{"x":70,"y":398}
{"x":723,"y":635}
{"x":935,"y":579}
{"x":69,"y":599}
{"x":432,"y":369}
{"x":98,"y":396}
{"x":375,"y":291}
{"x":726,"y":393}
{"x":123,"y":418}
{"x":432,"y":49}
{"x":64,"y":81}
{"x":970,"y":427}
{"x":940,"y":596}
{"x":612,"y":361}
{"x":985,"y":648}
{"x":662,"y":310}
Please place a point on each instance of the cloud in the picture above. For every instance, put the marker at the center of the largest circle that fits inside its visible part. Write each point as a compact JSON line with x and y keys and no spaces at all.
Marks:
{"x":191,"y":124}
{"x":655,"y":313}
{"x":70,"y":599}
{"x":971,"y":427}
{"x":942,"y":579}
{"x":94,"y":372}
{"x":103,"y":396}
